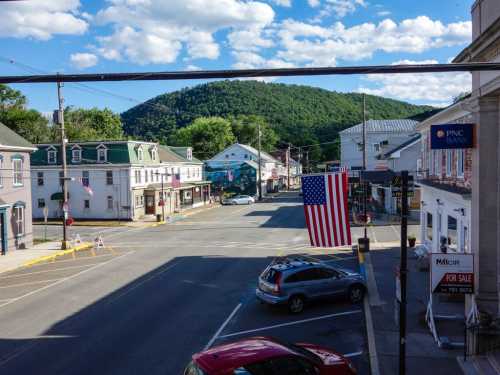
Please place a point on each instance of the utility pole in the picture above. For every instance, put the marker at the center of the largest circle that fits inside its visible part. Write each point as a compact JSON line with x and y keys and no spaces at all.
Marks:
{"x":259,"y":179}
{"x":60,"y":118}
{"x":288,"y":166}
{"x":307,"y":161}
{"x":365,"y":183}
{"x":403,"y":272}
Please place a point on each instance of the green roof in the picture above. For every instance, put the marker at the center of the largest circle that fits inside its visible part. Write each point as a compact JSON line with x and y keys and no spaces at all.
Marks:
{"x":118,"y":152}
{"x":10,"y":138}
{"x":182,"y":153}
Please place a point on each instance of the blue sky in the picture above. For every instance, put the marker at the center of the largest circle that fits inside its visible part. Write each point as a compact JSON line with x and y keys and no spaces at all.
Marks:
{"x":158,"y":35}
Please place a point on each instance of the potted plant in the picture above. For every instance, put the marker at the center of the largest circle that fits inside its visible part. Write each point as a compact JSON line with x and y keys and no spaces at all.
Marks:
{"x":411,"y":240}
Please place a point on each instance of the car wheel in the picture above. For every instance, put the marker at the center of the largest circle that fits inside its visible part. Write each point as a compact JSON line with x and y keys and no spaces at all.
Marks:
{"x":296,"y":304}
{"x":356,"y":293}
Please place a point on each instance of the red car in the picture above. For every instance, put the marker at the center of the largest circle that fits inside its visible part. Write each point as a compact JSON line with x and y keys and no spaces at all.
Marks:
{"x":267,"y":356}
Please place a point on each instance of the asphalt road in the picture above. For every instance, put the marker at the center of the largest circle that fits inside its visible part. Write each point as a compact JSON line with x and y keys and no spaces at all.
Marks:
{"x":157,"y":295}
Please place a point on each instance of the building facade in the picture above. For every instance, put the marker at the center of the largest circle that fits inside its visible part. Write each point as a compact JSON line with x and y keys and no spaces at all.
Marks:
{"x":16,"y":230}
{"x":112,"y":180}
{"x":381,"y":136}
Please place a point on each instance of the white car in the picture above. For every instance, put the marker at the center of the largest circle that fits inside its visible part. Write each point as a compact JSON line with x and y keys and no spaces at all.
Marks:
{"x":240,"y":199}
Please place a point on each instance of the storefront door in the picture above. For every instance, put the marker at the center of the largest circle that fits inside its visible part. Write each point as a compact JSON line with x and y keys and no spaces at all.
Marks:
{"x":150,"y":205}
{"x":3,"y":232}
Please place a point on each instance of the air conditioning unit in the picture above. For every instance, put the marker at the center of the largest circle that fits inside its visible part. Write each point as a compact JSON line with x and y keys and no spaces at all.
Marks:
{"x":384,"y":143}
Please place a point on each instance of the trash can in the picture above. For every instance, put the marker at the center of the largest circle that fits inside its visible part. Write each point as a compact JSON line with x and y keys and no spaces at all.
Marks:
{"x":363,"y":245}
{"x":158,"y":217}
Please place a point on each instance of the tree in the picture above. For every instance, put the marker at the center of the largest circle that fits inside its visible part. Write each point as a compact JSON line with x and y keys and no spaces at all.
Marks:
{"x":29,"y":124}
{"x":92,"y":124}
{"x":245,"y":129}
{"x":207,"y":135}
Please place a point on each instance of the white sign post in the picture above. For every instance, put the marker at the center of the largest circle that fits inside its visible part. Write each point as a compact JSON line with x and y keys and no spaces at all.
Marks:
{"x":45,"y":217}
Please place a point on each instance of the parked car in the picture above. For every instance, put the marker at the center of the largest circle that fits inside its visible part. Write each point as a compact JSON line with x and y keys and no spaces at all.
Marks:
{"x":239,"y":199}
{"x":267,"y":356}
{"x":293,"y":282}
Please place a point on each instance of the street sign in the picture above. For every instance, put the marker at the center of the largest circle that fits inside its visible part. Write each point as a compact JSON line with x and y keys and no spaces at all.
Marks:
{"x":452,"y":273}
{"x":398,"y":193}
{"x":452,"y":136}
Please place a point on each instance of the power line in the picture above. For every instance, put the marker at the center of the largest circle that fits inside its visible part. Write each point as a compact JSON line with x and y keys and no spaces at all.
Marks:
{"x":252,"y":73}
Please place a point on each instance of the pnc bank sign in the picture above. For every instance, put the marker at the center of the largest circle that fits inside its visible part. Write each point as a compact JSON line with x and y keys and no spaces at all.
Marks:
{"x":452,"y":136}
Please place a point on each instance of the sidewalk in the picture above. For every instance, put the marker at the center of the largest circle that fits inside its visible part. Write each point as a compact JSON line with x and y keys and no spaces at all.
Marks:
{"x":422,"y":353}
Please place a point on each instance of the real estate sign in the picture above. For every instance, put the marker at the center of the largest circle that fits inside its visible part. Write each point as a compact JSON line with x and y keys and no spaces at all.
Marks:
{"x":452,"y":273}
{"x":452,"y":136}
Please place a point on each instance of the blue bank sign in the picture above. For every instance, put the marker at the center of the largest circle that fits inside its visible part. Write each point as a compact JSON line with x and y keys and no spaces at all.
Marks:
{"x":452,"y":136}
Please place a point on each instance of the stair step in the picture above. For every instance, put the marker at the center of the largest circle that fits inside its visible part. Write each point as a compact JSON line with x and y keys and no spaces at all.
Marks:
{"x":483,"y":366}
{"x":494,"y":359}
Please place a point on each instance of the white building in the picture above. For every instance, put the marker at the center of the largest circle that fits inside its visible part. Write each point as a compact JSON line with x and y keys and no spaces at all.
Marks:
{"x":119,"y":180}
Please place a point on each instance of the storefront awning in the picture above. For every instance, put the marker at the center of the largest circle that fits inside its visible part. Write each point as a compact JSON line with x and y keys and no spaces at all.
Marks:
{"x":59,"y":196}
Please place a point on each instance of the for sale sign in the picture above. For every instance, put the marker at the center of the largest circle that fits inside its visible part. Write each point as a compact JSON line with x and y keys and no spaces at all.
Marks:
{"x":452,"y":273}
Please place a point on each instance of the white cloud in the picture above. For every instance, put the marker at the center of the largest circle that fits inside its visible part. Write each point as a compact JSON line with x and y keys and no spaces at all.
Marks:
{"x":434,"y":88}
{"x":83,"y":60}
{"x":156,"y":31}
{"x":283,"y":3}
{"x":383,"y":13}
{"x":304,"y":43}
{"x":313,"y":3}
{"x":41,"y":19}
{"x":192,"y":67}
{"x":249,"y":39}
{"x":339,"y":8}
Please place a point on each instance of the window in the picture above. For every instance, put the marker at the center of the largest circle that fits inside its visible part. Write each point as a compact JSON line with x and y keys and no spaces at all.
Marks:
{"x":151,"y":175}
{"x":52,"y":156}
{"x":41,"y":203}
{"x":452,"y":233}
{"x":326,"y":273}
{"x":301,"y":276}
{"x":430,"y":154}
{"x":85,"y":178}
{"x":146,"y":176}
{"x":189,"y":155}
{"x":189,"y":172}
{"x":153,"y":154}
{"x":157,"y":176}
{"x":39,"y":178}
{"x":449,"y":162}
{"x":18,"y":213}
{"x":109,"y":201}
{"x":1,"y":167}
{"x":245,"y":156}
{"x":429,"y":226}
{"x":376,"y":147}
{"x":102,"y":154}
{"x":109,"y":177}
{"x":138,"y":177}
{"x":227,"y":156}
{"x":17,"y":166}
{"x":140,"y":154}
{"x":76,"y":154}
{"x":86,"y":204}
{"x":460,"y":163}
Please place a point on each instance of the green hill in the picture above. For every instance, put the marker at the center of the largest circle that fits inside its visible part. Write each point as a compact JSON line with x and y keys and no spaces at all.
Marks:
{"x":299,"y":114}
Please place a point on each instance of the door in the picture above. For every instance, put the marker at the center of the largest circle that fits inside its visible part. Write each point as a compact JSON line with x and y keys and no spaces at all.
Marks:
{"x":3,"y":233}
{"x":150,"y":205}
{"x":332,"y":282}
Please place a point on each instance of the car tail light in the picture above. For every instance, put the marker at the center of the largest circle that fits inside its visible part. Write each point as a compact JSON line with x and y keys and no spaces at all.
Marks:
{"x":277,"y":287}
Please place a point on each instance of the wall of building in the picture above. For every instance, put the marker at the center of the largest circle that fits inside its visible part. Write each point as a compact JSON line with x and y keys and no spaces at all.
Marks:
{"x":407,"y":160}
{"x":12,"y":194}
{"x":484,"y":14}
{"x":351,"y":154}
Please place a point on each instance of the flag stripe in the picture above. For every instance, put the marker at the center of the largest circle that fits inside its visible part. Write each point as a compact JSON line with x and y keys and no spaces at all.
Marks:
{"x":342,"y":211}
{"x":320,"y":225}
{"x":346,"y":209}
{"x":338,"y":210}
{"x":308,"y":223}
{"x":327,"y":214}
{"x":331,"y":210}
{"x":315,"y":225}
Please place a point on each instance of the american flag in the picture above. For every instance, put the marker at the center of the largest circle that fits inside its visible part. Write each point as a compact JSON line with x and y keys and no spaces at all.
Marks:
{"x":344,"y":169}
{"x":325,"y":208}
{"x":176,"y":180}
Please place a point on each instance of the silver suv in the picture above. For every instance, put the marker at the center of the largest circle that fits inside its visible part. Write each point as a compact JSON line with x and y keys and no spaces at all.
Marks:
{"x":293,"y":282}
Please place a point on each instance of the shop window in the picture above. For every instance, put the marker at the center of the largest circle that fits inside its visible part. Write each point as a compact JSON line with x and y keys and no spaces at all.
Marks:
{"x":437,"y":162}
{"x":41,"y":203}
{"x":460,"y":163}
{"x":449,"y":162}
{"x":86,"y":204}
{"x":18,"y":213}
{"x":452,"y":233}
{"x":429,"y":226}
{"x":109,"y":201}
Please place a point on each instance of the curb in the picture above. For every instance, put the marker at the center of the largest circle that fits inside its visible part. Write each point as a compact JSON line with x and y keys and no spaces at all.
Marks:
{"x":45,"y":258}
{"x":370,"y":332}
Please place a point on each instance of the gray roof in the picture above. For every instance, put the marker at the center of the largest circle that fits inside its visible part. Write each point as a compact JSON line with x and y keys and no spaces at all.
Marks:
{"x":264,"y":155}
{"x":383,"y":126}
{"x":10,"y":138}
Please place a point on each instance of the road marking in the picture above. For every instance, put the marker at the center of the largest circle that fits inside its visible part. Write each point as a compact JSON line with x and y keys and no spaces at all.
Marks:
{"x":29,"y":283}
{"x":292,"y":323}
{"x":51,"y":270}
{"x":70,"y":260}
{"x":370,"y":333}
{"x":395,"y":231}
{"x":63,"y":280}
{"x":373,"y":234}
{"x":221,"y":328}
{"x":355,"y":354}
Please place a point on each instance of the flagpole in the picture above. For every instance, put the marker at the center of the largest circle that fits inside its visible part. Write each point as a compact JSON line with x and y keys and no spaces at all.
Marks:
{"x":365,"y":190}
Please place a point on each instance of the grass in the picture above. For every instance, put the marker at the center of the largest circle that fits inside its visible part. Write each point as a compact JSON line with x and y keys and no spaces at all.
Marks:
{"x":37,"y":241}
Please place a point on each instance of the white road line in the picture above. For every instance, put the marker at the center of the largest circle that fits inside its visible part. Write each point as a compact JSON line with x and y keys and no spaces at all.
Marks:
{"x":29,"y":283}
{"x":63,"y":280}
{"x":292,"y":323}
{"x":373,"y":234}
{"x":355,"y":354}
{"x":395,"y":231}
{"x":370,"y":334}
{"x":51,"y":270}
{"x":69,"y":260}
{"x":221,"y":328}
